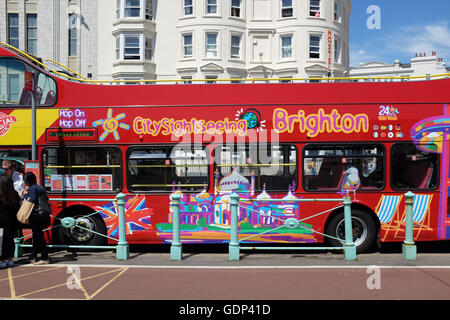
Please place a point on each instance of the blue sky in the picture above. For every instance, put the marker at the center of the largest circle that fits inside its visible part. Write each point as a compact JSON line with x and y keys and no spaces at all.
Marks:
{"x":407,"y":27}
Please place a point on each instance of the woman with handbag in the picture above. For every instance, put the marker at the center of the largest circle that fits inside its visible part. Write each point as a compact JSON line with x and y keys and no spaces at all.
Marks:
{"x":39,"y":219}
{"x":9,"y":204}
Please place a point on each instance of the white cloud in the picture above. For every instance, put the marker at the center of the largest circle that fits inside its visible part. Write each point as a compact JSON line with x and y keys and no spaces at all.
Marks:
{"x":404,"y":43}
{"x":418,"y":39}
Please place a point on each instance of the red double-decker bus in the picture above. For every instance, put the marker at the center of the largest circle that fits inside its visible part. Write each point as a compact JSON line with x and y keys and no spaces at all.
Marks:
{"x":373,"y":141}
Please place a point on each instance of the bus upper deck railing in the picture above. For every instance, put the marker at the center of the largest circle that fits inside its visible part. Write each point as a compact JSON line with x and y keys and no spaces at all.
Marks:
{"x":80,"y":78}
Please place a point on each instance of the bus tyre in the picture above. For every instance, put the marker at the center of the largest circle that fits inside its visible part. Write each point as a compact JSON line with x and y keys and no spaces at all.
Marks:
{"x":363,"y":229}
{"x":81,"y":234}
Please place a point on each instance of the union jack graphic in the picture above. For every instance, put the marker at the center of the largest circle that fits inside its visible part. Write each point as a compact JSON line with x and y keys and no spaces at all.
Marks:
{"x":137,"y":216}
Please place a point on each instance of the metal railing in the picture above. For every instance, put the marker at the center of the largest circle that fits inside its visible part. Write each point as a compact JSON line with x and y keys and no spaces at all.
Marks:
{"x":122,"y":248}
{"x":409,"y":251}
{"x":80,"y":78}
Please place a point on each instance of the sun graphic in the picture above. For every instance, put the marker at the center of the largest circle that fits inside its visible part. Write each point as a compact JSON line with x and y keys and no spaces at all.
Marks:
{"x":111,"y":124}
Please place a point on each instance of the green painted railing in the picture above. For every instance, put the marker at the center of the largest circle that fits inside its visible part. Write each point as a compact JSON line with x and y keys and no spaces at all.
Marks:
{"x":291,"y":223}
{"x":122,"y":248}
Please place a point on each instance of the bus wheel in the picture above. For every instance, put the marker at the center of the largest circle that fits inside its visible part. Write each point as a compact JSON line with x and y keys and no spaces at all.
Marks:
{"x":81,"y":233}
{"x":363,"y":229}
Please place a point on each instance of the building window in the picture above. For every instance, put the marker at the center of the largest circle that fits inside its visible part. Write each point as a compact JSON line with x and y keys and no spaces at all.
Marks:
{"x":210,"y":79}
{"x":13,"y":29}
{"x":286,"y":46}
{"x":73,"y":34}
{"x":337,"y":11}
{"x":314,"y":46}
{"x":235,"y":46}
{"x":211,"y":6}
{"x":186,"y":79}
{"x":286,"y":8}
{"x":131,"y":49}
{"x":235,"y":8}
{"x":188,"y":7}
{"x":132,"y":8}
{"x":32,"y":33}
{"x":211,"y":45}
{"x":149,"y":9}
{"x":337,"y":50}
{"x":187,"y":45}
{"x":148,"y":49}
{"x":314,"y":8}
{"x":118,"y":48}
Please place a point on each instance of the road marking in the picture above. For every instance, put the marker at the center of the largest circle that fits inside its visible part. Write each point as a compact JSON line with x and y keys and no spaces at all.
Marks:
{"x":11,"y":284}
{"x":65,"y":283}
{"x":108,"y":283}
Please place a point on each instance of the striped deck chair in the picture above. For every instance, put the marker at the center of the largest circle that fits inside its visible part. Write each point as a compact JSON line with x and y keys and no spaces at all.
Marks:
{"x":421,"y":213}
{"x":387,"y":208}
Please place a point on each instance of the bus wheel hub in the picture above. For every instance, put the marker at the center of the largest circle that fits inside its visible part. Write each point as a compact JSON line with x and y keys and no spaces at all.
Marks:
{"x":68,"y":222}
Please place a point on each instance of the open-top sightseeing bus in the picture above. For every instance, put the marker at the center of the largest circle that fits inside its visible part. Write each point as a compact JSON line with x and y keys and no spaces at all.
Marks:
{"x":373,"y":141}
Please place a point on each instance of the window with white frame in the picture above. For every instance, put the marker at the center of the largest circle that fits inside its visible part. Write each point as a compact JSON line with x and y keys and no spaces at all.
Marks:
{"x":148,"y":49}
{"x":210,"y":79}
{"x":286,"y":8}
{"x":337,"y":49}
{"x":134,"y":9}
{"x":32,"y":33}
{"x":286,"y":46}
{"x":211,"y":6}
{"x":236,"y":8}
{"x":187,"y":45}
{"x":149,"y":9}
{"x":13,"y":29}
{"x":236,"y":46}
{"x":73,"y":34}
{"x":337,"y":11}
{"x":314,"y":46}
{"x":211,"y":45}
{"x":131,"y":47}
{"x":188,"y":7}
{"x":314,"y":8}
{"x":134,"y":47}
{"x":118,"y":48}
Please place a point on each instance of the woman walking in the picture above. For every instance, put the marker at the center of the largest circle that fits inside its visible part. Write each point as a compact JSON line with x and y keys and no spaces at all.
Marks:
{"x":38,"y":222}
{"x":9,"y":205}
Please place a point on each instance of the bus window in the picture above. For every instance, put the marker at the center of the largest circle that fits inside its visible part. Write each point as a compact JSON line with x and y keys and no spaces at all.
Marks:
{"x":412,"y":168}
{"x":272,"y":166}
{"x":12,"y":83}
{"x":324,"y":166}
{"x":82,"y":169}
{"x":18,"y":155}
{"x":161,"y":168}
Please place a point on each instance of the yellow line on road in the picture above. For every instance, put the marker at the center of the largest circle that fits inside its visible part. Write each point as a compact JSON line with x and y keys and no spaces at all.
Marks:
{"x":64,"y":284}
{"x":108,"y":283}
{"x":11,"y":284}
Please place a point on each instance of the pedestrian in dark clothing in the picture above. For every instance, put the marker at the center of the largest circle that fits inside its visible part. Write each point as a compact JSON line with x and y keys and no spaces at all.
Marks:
{"x":37,"y":222}
{"x":9,"y":205}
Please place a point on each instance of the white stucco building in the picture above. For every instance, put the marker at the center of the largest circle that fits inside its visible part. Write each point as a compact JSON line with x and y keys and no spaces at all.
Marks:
{"x":184,"y":39}
{"x":420,"y":66}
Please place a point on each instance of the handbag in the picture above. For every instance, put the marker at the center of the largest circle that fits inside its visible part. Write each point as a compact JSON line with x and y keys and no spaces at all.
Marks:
{"x":43,"y":208}
{"x":23,"y":215}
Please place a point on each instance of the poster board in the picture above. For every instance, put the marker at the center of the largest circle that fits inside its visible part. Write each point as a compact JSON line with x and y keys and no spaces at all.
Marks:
{"x":33,"y":166}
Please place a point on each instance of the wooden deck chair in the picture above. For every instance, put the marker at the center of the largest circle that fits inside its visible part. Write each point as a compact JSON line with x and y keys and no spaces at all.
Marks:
{"x":421,"y":214}
{"x":387,"y":208}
